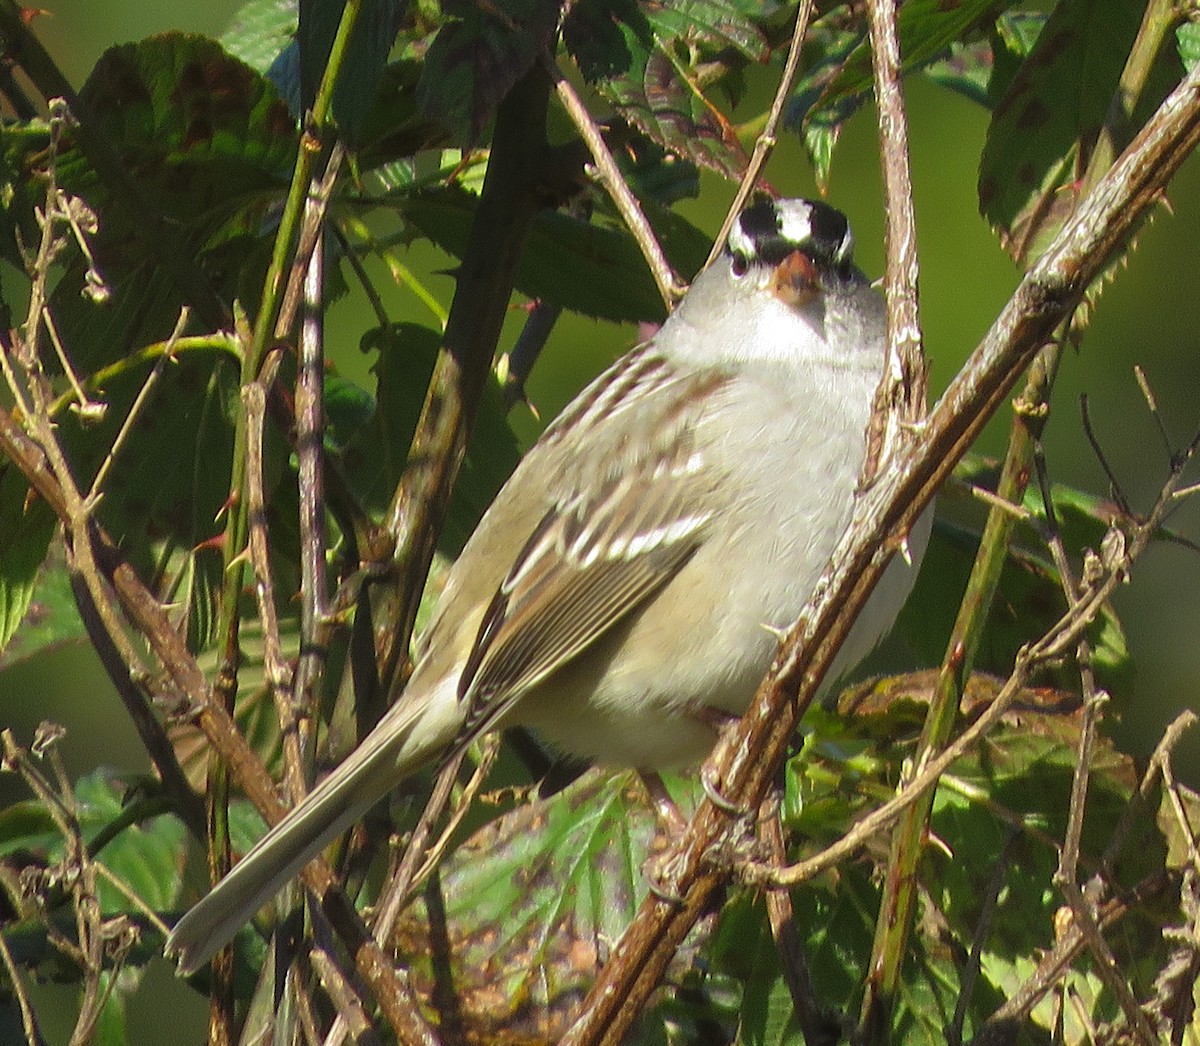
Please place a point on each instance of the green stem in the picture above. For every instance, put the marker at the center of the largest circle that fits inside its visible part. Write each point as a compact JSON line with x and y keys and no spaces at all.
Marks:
{"x":1029,"y":420}
{"x":265,"y":327}
{"x":899,"y":890}
{"x":1160,"y":17}
{"x":219,"y":342}
{"x":312,"y":145}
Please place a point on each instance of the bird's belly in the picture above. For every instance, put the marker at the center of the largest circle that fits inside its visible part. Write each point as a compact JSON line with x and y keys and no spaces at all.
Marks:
{"x":651,"y":712}
{"x":654,"y":713}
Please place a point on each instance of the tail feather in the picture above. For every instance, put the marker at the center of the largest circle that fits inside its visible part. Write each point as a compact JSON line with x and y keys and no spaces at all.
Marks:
{"x":404,"y":740}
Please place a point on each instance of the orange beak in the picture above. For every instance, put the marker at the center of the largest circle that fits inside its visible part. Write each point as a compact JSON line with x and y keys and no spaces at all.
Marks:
{"x":795,"y":282}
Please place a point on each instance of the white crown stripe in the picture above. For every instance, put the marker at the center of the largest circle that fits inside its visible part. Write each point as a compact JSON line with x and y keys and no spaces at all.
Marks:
{"x":795,"y":224}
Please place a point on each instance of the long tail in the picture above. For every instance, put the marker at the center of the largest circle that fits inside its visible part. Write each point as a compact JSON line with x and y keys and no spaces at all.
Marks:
{"x":410,"y":735}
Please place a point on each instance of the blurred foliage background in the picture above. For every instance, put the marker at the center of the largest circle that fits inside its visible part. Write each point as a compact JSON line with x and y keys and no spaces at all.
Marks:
{"x":1149,"y":316}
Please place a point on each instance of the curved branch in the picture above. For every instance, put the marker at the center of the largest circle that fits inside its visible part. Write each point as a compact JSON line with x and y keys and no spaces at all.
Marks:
{"x":743,"y":765}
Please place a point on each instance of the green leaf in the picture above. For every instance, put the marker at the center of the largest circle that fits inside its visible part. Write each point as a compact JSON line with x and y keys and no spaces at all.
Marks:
{"x":1045,"y":126}
{"x":933,"y":35}
{"x":51,"y":617}
{"x":205,"y":135}
{"x":348,"y":409}
{"x":25,"y":826}
{"x":926,"y":29}
{"x":743,"y":949}
{"x":260,"y":31}
{"x":364,"y":61}
{"x":26,"y":527}
{"x":714,"y":25}
{"x":21,"y":192}
{"x":998,"y":820}
{"x":826,"y":48}
{"x":145,"y":855}
{"x":168,"y":485}
{"x":965,"y":69}
{"x":1013,"y":38}
{"x":201,"y":577}
{"x":656,"y":62}
{"x":211,"y":146}
{"x":593,"y":269}
{"x":1187,"y":38}
{"x":394,"y":128}
{"x":246,"y":826}
{"x":477,"y":56}
{"x":376,"y":455}
{"x":530,"y":899}
{"x":983,"y":69}
{"x":655,"y":174}
{"x":1025,"y":774}
{"x":112,"y":1028}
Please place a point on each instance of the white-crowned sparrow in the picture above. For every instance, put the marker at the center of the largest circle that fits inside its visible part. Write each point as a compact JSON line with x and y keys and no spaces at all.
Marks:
{"x":631,"y":573}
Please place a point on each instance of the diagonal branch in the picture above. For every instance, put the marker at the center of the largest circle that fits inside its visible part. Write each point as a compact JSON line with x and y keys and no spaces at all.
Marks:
{"x":743,"y":764}
{"x":506,"y":210}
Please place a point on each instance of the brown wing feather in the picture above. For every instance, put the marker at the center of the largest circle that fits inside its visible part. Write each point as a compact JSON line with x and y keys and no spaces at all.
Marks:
{"x":593,"y":559}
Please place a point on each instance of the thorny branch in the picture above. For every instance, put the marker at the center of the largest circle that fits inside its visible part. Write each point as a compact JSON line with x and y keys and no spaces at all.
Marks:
{"x":100,"y":945}
{"x":112,"y":595}
{"x":1058,"y":641}
{"x":744,"y":762}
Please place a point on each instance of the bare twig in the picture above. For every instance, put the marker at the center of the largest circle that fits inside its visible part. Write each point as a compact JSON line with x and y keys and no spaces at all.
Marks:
{"x":1092,"y":699}
{"x":89,"y":410}
{"x":138,"y":405}
{"x":745,"y":761}
{"x":1067,"y":946}
{"x":31,"y":389}
{"x":278,"y":672}
{"x":76,"y":871}
{"x":316,"y":203}
{"x":1114,"y":487}
{"x":1095,"y":591}
{"x":517,"y":364}
{"x":969,"y":977}
{"x":349,"y":1005}
{"x":1152,"y":405}
{"x":490,"y":750}
{"x":131,"y":895}
{"x":900,"y":402}
{"x":816,"y":1025}
{"x":764,"y":145}
{"x":1084,"y":902}
{"x":1161,"y":761}
{"x":33,"y":1036}
{"x":609,"y":176}
{"x":310,"y":430}
{"x":1085,"y":917}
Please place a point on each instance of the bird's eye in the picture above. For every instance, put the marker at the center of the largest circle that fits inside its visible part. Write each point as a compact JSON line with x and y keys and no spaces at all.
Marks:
{"x":739,"y":264}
